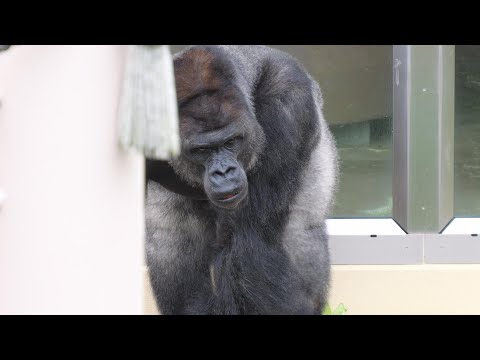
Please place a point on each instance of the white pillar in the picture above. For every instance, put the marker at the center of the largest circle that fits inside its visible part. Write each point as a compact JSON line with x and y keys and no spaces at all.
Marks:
{"x":71,"y":227}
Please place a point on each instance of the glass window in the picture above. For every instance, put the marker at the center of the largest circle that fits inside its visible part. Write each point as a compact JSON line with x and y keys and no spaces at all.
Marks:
{"x":467,"y":130}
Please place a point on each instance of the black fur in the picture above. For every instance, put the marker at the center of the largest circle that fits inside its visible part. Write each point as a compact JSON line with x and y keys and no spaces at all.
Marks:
{"x":237,"y":261}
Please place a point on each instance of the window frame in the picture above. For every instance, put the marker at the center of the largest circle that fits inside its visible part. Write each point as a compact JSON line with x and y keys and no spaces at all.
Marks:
{"x":423,"y":171}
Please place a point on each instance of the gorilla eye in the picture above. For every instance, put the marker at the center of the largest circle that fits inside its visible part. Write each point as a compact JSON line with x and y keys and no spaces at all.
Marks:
{"x":200,"y":150}
{"x":230,"y":143}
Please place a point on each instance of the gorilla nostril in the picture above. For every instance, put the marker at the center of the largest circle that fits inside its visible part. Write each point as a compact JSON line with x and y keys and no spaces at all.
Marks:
{"x":231,"y":169}
{"x":217,"y":173}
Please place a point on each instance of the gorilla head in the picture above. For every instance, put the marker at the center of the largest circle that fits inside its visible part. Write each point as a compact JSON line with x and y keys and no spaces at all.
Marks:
{"x":221,"y":139}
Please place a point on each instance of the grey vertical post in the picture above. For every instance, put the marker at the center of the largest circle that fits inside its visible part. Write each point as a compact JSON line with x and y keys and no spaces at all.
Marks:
{"x":423,"y":108}
{"x":446,"y":135}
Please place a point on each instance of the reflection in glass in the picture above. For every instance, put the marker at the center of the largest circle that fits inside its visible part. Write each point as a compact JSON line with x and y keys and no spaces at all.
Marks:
{"x":467,"y":130}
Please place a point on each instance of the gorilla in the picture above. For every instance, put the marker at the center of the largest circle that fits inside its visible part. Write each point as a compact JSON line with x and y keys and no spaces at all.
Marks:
{"x":236,"y":223}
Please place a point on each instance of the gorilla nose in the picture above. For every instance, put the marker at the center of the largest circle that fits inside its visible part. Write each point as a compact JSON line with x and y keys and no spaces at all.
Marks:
{"x":224,"y":173}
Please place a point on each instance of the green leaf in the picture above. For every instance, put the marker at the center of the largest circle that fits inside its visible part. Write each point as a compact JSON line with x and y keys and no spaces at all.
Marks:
{"x":340,"y":310}
{"x":327,"y":310}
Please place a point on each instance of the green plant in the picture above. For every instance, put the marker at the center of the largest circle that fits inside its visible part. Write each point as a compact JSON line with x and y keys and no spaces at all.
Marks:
{"x":340,"y":310}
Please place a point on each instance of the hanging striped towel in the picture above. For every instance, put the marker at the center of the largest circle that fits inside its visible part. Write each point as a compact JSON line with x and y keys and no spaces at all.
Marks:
{"x":148,"y":106}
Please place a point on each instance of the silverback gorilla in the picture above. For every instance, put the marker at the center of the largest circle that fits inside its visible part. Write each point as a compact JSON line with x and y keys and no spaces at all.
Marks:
{"x":239,"y":226}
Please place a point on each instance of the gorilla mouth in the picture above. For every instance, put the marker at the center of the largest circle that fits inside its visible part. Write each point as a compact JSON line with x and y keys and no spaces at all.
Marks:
{"x":230,"y":196}
{"x":231,"y":199}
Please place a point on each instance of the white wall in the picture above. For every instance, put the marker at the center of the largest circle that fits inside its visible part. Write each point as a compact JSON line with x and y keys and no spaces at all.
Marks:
{"x":71,"y":229}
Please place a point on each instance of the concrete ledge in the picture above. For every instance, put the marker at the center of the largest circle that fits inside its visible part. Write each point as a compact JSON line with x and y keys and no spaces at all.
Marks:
{"x":407,"y":289}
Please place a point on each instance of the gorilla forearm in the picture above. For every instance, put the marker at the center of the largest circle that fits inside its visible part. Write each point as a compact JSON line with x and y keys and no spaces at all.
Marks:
{"x":261,"y":277}
{"x":243,"y":273}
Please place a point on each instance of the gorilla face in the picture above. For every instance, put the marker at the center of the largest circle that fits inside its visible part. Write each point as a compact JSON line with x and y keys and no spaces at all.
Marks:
{"x":221,"y":139}
{"x":216,"y":149}
{"x":224,"y":178}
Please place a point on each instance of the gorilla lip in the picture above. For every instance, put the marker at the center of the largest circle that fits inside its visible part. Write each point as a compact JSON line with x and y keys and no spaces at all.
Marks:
{"x":230,"y":196}
{"x":231,"y":199}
